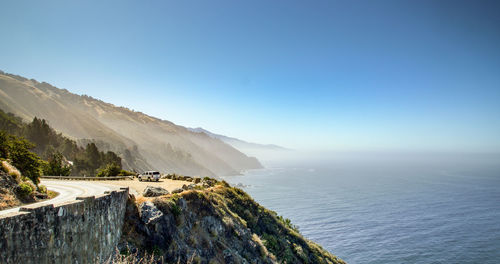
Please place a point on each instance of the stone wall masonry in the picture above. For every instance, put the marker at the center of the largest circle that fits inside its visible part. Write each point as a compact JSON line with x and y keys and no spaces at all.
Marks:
{"x":86,"y":230}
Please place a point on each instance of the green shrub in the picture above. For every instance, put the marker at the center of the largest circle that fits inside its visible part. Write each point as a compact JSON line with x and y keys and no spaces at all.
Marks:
{"x":126,"y":173}
{"x":111,"y":169}
{"x":42,"y":188}
{"x":24,"y":189}
{"x":224,"y":184}
{"x":271,"y":243}
{"x":176,"y":210}
{"x":4,"y":146}
{"x":288,"y":223}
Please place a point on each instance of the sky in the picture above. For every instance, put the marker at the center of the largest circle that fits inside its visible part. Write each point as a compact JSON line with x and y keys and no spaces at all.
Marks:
{"x":325,"y":75}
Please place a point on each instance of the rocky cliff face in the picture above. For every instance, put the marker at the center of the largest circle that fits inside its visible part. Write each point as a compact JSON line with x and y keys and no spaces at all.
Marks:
{"x":8,"y":197}
{"x":220,"y":224}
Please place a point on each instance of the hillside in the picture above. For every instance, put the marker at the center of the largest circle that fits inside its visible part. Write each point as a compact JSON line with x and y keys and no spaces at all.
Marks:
{"x":218,"y":224}
{"x":143,"y":142}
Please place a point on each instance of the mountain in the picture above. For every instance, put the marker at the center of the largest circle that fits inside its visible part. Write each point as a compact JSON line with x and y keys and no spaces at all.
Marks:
{"x":143,"y":142}
{"x":239,"y":144}
{"x":264,"y":152}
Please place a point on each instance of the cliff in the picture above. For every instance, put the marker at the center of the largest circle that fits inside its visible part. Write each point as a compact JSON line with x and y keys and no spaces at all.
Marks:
{"x":219,"y":224}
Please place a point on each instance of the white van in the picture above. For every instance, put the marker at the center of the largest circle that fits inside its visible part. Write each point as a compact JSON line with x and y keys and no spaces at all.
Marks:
{"x":149,"y":176}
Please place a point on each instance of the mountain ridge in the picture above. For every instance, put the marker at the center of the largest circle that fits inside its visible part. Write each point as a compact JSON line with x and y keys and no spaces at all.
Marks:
{"x":143,"y":141}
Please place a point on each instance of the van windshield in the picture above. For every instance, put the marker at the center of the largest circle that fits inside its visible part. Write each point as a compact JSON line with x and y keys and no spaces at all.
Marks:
{"x":155,"y":173}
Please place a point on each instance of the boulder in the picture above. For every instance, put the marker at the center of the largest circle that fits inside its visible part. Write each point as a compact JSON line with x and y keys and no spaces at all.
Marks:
{"x":208,"y":182}
{"x":178,"y":190}
{"x":152,"y":191}
{"x":149,"y":213}
{"x":40,"y":196}
{"x":188,"y":187}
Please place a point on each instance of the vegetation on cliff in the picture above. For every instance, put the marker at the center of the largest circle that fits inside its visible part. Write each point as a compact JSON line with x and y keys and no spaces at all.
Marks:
{"x":219,"y":224}
{"x":51,"y":152}
{"x":15,"y":189}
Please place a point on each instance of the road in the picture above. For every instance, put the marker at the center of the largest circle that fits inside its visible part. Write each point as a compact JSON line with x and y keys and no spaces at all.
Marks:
{"x":69,"y":190}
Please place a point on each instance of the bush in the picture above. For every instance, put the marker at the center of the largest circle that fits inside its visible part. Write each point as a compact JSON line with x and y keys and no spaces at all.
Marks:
{"x":224,"y":184}
{"x":176,"y":210}
{"x":126,"y":173}
{"x":4,"y":147}
{"x":24,"y":189}
{"x":288,"y":223}
{"x":42,"y":188}
{"x":111,"y":169}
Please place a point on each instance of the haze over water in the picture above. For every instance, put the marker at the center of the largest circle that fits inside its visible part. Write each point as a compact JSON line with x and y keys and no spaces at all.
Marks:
{"x":389,"y":208}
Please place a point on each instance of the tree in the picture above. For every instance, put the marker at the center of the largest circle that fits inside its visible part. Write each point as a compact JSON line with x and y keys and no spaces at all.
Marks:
{"x":4,"y":147}
{"x":93,"y":156}
{"x":38,"y":132}
{"x":27,"y":162}
{"x":56,"y":166}
{"x":111,"y":157}
{"x":111,"y":169}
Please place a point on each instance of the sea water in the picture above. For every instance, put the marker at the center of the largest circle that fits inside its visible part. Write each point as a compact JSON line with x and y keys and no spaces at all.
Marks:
{"x":397,"y":208}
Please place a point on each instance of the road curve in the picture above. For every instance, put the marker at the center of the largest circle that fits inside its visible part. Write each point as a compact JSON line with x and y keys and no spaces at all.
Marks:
{"x":68,"y":191}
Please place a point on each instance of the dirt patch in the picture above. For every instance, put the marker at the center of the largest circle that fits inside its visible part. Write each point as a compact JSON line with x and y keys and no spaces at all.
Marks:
{"x":139,"y":186}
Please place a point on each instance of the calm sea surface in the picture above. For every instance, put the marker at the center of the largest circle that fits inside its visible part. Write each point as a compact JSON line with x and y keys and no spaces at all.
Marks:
{"x":389,"y":208}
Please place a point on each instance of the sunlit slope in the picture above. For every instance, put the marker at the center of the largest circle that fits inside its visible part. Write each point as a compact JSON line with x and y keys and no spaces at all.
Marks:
{"x":144,"y":142}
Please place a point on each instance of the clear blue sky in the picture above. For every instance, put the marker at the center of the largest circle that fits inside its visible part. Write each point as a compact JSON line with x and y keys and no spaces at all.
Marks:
{"x":341,"y":75}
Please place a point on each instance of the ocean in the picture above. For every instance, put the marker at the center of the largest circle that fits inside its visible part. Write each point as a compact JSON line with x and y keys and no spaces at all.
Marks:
{"x":388,"y":208}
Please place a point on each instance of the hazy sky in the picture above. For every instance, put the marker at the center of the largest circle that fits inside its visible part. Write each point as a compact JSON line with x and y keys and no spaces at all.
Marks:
{"x":362,"y":75}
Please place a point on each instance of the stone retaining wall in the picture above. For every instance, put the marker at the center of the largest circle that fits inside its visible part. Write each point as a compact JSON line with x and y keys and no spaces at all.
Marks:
{"x":82,"y":231}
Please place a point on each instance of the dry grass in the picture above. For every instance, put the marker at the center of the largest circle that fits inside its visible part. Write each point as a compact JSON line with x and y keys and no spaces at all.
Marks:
{"x":133,"y":258}
{"x":8,"y":201}
{"x":11,"y":170}
{"x":141,"y":199}
{"x":52,"y":194}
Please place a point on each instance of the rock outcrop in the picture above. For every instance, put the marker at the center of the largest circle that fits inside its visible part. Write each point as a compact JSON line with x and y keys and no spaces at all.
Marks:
{"x":8,"y":197}
{"x":219,"y":224}
{"x":152,"y":191}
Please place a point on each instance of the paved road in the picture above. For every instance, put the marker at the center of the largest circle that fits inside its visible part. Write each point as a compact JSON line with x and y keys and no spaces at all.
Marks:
{"x":69,"y":190}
